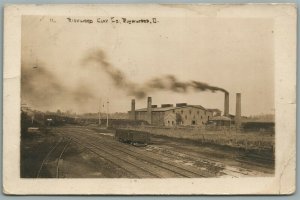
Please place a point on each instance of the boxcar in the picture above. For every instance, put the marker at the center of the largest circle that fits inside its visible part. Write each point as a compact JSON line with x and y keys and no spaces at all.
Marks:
{"x":136,"y":138}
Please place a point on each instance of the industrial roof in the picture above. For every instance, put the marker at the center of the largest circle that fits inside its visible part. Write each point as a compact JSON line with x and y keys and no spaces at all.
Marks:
{"x":156,"y":109}
{"x":169,"y":108}
{"x":220,"y":118}
{"x":213,"y":109}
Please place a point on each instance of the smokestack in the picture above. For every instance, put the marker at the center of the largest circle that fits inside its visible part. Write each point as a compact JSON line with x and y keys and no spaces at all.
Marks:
{"x":226,"y":104}
{"x":133,"y":109}
{"x":238,"y":110}
{"x":149,"y":110}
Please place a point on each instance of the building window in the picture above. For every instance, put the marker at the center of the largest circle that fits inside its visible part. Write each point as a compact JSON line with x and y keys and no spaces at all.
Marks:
{"x":185,"y":117}
{"x":193,"y":122}
{"x":181,"y":111}
{"x":168,"y":122}
{"x":201,"y":116}
{"x":172,"y":122}
{"x":190,"y":112}
{"x":198,"y":112}
{"x":173,"y":111}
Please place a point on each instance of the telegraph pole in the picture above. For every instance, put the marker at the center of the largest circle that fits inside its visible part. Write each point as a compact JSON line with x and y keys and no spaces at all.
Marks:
{"x":99,"y":113}
{"x":107,"y":110}
{"x":32,"y":119}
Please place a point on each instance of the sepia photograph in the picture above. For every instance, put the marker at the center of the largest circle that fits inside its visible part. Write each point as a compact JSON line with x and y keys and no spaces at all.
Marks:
{"x":99,"y":102}
{"x":180,"y":93}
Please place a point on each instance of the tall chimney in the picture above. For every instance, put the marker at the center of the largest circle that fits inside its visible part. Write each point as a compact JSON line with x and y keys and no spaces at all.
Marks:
{"x":149,"y":110}
{"x":226,"y":104}
{"x":132,"y":109}
{"x":238,"y":110}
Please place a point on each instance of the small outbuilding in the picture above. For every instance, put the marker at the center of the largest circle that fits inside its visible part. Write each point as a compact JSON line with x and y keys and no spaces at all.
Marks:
{"x":221,"y":121}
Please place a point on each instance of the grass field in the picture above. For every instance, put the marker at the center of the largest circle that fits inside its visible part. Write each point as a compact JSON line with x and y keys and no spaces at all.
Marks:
{"x":249,"y":140}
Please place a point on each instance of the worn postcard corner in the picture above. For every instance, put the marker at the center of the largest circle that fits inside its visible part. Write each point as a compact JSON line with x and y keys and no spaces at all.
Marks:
{"x":181,"y":99}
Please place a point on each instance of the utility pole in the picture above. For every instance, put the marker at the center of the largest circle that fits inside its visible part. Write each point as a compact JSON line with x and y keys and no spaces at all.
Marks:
{"x":107,"y":110}
{"x":99,"y":113}
{"x":32,"y":119}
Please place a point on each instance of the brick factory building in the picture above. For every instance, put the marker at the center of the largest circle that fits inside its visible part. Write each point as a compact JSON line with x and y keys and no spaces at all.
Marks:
{"x":170,"y":115}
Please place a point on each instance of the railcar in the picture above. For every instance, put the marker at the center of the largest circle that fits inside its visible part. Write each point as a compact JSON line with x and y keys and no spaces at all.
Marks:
{"x":136,"y":138}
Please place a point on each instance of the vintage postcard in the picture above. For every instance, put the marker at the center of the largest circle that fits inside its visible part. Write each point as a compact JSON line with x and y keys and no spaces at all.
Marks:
{"x":180,"y":99}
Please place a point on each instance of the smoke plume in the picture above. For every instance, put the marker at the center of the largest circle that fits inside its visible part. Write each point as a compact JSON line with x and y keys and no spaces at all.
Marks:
{"x":167,"y":83}
{"x":42,"y":88}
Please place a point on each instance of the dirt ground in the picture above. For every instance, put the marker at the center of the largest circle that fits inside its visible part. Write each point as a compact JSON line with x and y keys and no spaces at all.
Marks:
{"x":81,"y":152}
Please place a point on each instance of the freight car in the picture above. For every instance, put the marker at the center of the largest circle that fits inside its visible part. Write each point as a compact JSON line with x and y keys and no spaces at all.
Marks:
{"x":136,"y":138}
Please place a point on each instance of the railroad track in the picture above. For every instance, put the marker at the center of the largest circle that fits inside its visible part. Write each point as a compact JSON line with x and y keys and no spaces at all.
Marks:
{"x":203,"y":160}
{"x":47,"y":168}
{"x":152,"y":156}
{"x":155,"y":171}
{"x":60,"y":159}
{"x":155,"y":159}
{"x":172,"y":155}
{"x":158,"y":167}
{"x":132,"y":172}
{"x":130,"y":167}
{"x":218,"y":162}
{"x":160,"y":163}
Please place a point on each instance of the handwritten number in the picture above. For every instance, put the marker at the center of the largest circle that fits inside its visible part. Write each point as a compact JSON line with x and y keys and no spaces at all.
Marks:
{"x":52,"y":20}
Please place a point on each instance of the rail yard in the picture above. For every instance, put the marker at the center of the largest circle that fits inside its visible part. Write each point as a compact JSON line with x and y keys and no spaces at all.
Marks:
{"x":83,"y":152}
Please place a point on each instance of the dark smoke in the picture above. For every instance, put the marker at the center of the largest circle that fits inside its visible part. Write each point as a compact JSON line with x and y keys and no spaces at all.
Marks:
{"x":203,"y":87}
{"x":118,"y":77}
{"x":168,"y":82}
{"x":42,"y":88}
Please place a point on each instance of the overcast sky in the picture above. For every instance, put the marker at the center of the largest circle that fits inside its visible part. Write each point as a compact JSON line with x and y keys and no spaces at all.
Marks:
{"x":234,"y":54}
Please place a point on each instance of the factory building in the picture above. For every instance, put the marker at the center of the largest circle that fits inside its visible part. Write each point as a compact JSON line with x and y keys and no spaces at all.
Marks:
{"x":170,"y":115}
{"x":184,"y":114}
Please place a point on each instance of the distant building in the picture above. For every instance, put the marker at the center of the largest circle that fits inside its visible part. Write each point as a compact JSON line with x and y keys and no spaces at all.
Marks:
{"x":169,"y":115}
{"x":25,"y":108}
{"x":215,"y":112}
{"x":187,"y":115}
{"x":221,"y":121}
